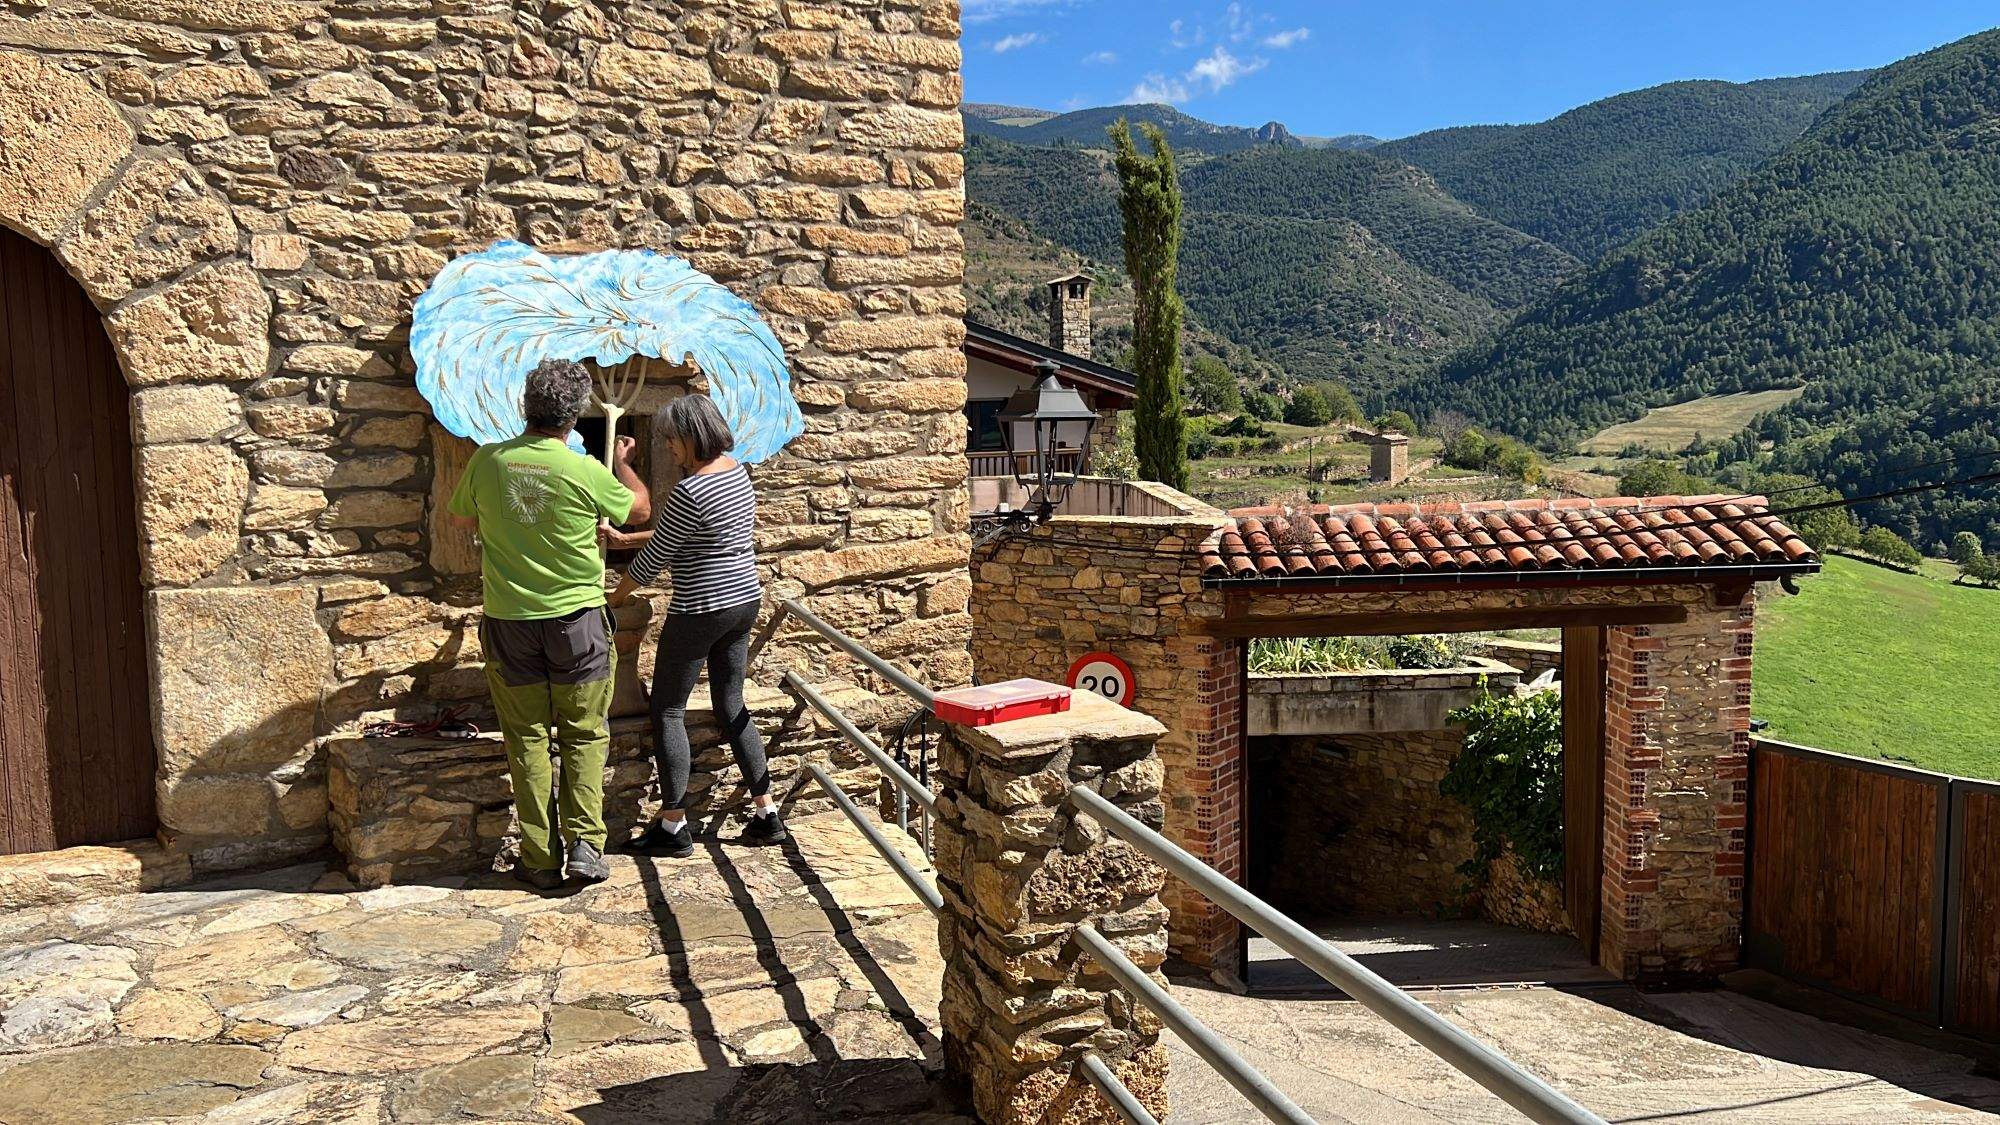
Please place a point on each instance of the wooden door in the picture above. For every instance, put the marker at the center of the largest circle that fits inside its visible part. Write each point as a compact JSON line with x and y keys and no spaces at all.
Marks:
{"x":76,"y":743}
{"x":1583,"y":779}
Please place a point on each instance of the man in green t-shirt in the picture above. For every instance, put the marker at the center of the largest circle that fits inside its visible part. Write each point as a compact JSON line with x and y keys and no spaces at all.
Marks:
{"x":546,"y":632}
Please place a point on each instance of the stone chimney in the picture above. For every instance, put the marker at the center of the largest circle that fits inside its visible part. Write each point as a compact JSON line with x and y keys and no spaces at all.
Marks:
{"x":1069,"y":314}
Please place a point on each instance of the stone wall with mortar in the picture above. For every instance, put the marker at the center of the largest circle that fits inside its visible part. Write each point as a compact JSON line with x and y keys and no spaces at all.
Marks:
{"x":253,"y":192}
{"x":1362,"y":827}
{"x":1130,"y":585}
{"x":1356,"y":824}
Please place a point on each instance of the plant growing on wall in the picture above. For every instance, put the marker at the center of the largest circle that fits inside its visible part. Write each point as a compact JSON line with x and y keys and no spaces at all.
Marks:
{"x":1149,"y":198}
{"x":1510,"y":775}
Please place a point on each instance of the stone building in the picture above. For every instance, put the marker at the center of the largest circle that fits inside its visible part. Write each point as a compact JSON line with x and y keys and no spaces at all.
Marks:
{"x":250,"y":193}
{"x":1654,"y":597}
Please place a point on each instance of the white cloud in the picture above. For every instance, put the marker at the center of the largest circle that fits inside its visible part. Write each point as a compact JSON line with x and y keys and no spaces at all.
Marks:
{"x":1283,"y":39}
{"x":1016,"y":42}
{"x":1100,"y":58}
{"x":1158,"y":88}
{"x":1219,"y":68}
{"x":1240,"y":22}
{"x":1211,"y":73}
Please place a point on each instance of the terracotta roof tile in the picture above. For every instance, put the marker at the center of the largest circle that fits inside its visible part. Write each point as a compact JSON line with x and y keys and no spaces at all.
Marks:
{"x":1503,"y":536}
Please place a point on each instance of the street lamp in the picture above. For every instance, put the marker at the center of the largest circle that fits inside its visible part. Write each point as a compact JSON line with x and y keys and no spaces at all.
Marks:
{"x":1047,"y":425}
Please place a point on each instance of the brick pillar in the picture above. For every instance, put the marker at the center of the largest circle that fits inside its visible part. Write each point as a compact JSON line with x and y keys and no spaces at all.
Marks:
{"x":1020,"y":869}
{"x":1206,"y":811}
{"x":1676,"y":780}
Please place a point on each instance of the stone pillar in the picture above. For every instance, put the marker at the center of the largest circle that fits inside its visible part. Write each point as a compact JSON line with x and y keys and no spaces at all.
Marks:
{"x":1020,"y":869}
{"x":1676,"y":778}
{"x":1388,"y":459}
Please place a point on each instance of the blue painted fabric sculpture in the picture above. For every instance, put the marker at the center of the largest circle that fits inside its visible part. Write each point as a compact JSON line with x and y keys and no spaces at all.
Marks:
{"x":489,"y":317}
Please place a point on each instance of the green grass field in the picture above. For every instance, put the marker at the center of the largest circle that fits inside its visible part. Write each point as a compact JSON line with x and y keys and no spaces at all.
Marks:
{"x":1881,"y":664}
{"x":1668,"y":429}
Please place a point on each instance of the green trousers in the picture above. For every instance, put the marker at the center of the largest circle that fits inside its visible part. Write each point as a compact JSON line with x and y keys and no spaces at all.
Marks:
{"x":557,"y":733}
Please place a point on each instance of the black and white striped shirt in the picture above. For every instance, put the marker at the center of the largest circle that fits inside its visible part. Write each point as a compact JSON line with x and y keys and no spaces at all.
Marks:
{"x":703,"y":539}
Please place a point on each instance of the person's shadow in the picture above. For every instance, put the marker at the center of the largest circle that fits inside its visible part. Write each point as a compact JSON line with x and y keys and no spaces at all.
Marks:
{"x":828,"y":1087}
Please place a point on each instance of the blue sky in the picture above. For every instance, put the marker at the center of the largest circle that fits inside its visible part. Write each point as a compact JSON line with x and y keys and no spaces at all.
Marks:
{"x":1397,"y":67}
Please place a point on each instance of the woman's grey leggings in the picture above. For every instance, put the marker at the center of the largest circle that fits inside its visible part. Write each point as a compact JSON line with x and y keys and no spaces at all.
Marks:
{"x":721,"y":640}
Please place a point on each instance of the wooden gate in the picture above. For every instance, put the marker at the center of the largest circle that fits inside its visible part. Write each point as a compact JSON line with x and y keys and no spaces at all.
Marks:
{"x":76,"y":743}
{"x":1847,"y":875}
{"x":1972,"y":993}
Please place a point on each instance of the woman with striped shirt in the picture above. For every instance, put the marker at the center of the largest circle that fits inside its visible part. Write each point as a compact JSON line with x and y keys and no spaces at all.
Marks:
{"x":703,"y":539}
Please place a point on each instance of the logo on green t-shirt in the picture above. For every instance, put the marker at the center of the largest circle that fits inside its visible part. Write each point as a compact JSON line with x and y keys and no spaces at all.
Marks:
{"x":527,"y":493}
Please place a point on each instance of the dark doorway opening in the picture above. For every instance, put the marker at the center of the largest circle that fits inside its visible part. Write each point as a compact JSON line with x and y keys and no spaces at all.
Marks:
{"x":1346,"y":828}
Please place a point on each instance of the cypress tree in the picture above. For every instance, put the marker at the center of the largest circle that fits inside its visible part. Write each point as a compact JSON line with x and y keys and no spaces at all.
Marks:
{"x":1149,"y":198}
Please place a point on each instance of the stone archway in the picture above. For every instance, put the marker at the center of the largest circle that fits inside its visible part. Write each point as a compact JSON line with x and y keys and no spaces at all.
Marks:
{"x":158,"y":253}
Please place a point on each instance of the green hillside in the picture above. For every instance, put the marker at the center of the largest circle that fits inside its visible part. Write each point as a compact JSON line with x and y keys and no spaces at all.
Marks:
{"x":1596,"y":176}
{"x":1085,"y":128}
{"x":1882,"y":664}
{"x":1334,"y":263}
{"x":1858,"y":262}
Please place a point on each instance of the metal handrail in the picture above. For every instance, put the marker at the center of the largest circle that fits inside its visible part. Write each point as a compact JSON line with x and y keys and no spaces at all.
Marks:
{"x":862,"y":742}
{"x":1269,"y":1100}
{"x":858,"y":651}
{"x":1491,"y":1069}
{"x":1535,"y":1098}
{"x":1099,"y":1074}
{"x":910,"y":875}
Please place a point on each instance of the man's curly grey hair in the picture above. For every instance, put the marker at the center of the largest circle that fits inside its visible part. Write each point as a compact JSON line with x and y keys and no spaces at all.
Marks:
{"x":556,"y":394}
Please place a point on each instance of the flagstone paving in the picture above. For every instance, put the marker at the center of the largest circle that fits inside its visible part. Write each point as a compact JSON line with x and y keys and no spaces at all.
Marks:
{"x":743,"y":985}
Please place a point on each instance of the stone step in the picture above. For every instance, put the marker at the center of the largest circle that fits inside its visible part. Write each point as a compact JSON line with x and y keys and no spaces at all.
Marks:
{"x":74,"y":874}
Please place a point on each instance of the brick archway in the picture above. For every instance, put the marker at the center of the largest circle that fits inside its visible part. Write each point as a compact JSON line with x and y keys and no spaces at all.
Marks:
{"x":157,"y":252}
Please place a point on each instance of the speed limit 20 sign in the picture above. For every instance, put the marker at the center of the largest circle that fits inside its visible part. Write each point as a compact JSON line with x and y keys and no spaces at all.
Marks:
{"x":1104,"y":674}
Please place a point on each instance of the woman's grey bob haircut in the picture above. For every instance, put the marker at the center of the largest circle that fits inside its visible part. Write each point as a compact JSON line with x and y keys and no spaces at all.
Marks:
{"x":556,"y":394}
{"x":695,"y":420}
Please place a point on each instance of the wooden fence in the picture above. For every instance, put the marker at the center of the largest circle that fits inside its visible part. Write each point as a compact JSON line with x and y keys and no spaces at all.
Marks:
{"x":1878,"y":882}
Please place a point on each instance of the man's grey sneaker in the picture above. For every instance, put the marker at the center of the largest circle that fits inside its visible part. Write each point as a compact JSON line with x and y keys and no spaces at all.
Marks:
{"x":765,"y":829}
{"x":656,"y":840}
{"x":540,"y":878}
{"x":586,"y":863}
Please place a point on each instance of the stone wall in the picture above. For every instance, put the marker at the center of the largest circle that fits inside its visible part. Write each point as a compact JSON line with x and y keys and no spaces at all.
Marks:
{"x":1359,"y":825}
{"x":1129,"y":584}
{"x":405,"y":809}
{"x":254,"y":192}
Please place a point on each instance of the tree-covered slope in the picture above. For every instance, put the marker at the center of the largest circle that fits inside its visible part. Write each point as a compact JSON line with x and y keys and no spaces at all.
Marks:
{"x":1335,"y":263}
{"x":1596,"y":176}
{"x":1085,"y":128}
{"x":1859,"y":262}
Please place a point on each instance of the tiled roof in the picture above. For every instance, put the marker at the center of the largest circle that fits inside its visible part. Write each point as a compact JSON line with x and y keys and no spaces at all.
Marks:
{"x":1503,"y":537}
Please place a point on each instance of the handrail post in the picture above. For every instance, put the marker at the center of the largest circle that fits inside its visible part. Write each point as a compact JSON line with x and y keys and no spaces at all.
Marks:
{"x":1019,"y":869}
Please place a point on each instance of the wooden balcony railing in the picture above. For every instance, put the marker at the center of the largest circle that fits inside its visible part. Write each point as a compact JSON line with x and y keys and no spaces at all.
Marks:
{"x":1000,"y":462}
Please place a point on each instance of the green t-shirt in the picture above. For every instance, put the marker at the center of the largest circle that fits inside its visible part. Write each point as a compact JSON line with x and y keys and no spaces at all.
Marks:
{"x":538,"y":502}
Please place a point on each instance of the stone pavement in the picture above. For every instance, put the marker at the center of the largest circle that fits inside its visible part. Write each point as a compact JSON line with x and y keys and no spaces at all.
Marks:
{"x":1707,"y":1057}
{"x":743,"y":985}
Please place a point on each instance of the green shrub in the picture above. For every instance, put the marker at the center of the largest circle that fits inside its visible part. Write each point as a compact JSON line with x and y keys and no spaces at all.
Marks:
{"x":1264,"y":406}
{"x":1891,"y":548}
{"x":1309,"y":408}
{"x":1510,"y":775}
{"x":1396,"y":422}
{"x":1469,"y":450}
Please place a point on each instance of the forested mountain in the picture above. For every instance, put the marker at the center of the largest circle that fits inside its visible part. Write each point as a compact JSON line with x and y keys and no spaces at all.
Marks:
{"x":1592,"y":178}
{"x":1085,"y":128}
{"x":1860,"y":262}
{"x":1333,"y":263}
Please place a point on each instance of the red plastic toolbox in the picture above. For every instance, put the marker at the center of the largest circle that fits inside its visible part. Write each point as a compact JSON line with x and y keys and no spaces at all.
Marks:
{"x":997,"y":703}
